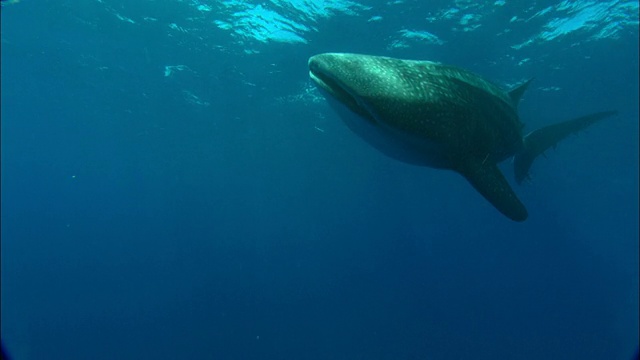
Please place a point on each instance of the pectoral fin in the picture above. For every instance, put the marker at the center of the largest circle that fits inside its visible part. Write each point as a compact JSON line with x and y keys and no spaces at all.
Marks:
{"x":488,"y":180}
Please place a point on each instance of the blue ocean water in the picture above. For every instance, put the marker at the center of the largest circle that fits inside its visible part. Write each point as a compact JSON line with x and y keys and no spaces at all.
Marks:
{"x":174,"y":186}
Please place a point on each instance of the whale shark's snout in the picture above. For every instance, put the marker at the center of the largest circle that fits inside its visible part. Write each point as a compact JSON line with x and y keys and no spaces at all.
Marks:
{"x":344,"y":77}
{"x":359,"y":75}
{"x":325,"y":66}
{"x":320,"y":73}
{"x":337,"y":74}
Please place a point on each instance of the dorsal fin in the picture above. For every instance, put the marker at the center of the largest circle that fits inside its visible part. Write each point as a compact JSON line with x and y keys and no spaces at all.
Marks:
{"x":516,"y":93}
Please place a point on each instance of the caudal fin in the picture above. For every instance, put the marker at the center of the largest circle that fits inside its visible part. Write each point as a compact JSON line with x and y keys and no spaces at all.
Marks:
{"x":538,"y":141}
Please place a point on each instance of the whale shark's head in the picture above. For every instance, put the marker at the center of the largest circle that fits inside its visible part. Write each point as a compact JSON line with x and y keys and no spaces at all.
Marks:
{"x":344,"y":76}
{"x":357,"y":81}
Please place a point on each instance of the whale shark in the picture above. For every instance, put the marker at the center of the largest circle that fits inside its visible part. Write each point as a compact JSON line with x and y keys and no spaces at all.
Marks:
{"x":440,"y":116}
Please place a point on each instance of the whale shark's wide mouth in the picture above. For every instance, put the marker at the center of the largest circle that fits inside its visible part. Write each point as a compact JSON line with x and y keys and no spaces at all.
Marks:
{"x":329,"y":84}
{"x":320,"y":74}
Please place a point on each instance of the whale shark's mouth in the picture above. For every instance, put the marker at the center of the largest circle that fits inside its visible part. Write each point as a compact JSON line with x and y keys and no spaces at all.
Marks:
{"x":338,"y":90}
{"x":331,"y":85}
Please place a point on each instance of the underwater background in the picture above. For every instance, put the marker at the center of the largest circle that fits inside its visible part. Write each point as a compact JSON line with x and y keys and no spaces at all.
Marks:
{"x":174,"y":186}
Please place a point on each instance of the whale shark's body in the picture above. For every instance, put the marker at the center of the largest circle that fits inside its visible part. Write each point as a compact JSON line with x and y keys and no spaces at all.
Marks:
{"x":435,"y":115}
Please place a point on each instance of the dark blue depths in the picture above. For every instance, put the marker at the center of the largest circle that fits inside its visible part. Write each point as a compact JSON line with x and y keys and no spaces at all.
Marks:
{"x":139,"y":221}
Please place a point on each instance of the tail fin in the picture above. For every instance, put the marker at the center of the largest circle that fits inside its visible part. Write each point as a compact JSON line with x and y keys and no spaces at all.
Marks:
{"x":538,"y":141}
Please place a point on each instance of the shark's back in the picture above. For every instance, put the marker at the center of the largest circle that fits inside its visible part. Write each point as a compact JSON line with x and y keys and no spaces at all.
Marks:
{"x":449,"y":106}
